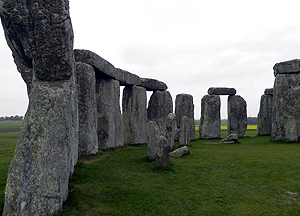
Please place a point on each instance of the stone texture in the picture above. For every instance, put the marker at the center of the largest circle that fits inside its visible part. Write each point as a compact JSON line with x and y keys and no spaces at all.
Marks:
{"x":221,"y":91}
{"x":264,"y":117}
{"x":87,"y":109}
{"x":231,"y":138}
{"x":162,"y":153}
{"x":104,"y":69}
{"x":41,"y":39}
{"x":159,"y":107}
{"x":153,"y":134}
{"x":170,"y":129}
{"x":185,"y":135}
{"x":237,"y":115}
{"x":269,"y":91}
{"x":110,"y":122}
{"x":135,"y":119}
{"x":184,"y":106}
{"x":153,"y":84}
{"x":287,"y":67}
{"x":184,"y":150}
{"x":210,"y":122}
{"x":286,"y":108}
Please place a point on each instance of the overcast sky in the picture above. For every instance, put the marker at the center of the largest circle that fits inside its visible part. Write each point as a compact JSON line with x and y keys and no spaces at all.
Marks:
{"x":191,"y":45}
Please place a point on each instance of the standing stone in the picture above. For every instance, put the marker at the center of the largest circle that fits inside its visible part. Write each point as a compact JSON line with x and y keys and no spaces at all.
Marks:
{"x":135,"y":119}
{"x":47,"y":148}
{"x":264,"y":117}
{"x":237,"y":115}
{"x":184,"y":106}
{"x":162,"y":153}
{"x":87,"y":109}
{"x":153,"y":134}
{"x":159,"y":107}
{"x":170,"y":129}
{"x":110,"y":122}
{"x":286,"y":108}
{"x":210,"y":123}
{"x":185,"y":128}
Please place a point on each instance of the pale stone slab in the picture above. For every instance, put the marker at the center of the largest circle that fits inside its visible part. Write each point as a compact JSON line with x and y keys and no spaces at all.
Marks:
{"x":184,"y":150}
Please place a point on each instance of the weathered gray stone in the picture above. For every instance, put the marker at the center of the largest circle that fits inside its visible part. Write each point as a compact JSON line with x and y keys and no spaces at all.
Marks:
{"x":87,"y":109}
{"x":162,"y":153}
{"x":221,"y":91}
{"x":287,"y":67}
{"x":185,"y":135}
{"x":159,"y":107}
{"x":210,"y":122}
{"x":184,"y":106}
{"x":170,"y":129}
{"x":153,"y":134}
{"x":184,"y":150}
{"x":153,"y":84}
{"x":286,"y":108}
{"x":41,"y":39}
{"x":264,"y":117}
{"x":231,"y":138}
{"x":135,"y":119}
{"x":110,"y":122}
{"x":237,"y":115}
{"x":269,"y":91}
{"x":104,"y":69}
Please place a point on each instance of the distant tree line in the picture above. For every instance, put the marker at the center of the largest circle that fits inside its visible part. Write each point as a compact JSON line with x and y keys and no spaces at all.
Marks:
{"x":12,"y":118}
{"x":251,"y":121}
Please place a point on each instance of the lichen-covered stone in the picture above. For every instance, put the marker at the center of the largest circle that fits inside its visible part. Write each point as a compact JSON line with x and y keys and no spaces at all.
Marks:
{"x":264,"y":117}
{"x":153,"y":84}
{"x":286,"y":108}
{"x":159,"y":107}
{"x":237,"y":115}
{"x":184,"y":106}
{"x":185,"y":128}
{"x":135,"y":119}
{"x":210,"y":122}
{"x":104,"y":69}
{"x":231,"y":138}
{"x":184,"y":150}
{"x":153,"y":134}
{"x":110,"y":122}
{"x":221,"y":91}
{"x":162,"y":150}
{"x":269,"y":91}
{"x":287,"y":67}
{"x":87,"y":109}
{"x":170,"y":129}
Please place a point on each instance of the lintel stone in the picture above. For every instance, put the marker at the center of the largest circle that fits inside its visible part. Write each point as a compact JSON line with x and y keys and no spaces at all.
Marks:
{"x":269,"y":91}
{"x":153,"y":84}
{"x":221,"y":91}
{"x":287,"y":67}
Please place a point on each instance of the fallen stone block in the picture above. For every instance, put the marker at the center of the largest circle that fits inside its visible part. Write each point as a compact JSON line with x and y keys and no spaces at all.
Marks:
{"x":184,"y":150}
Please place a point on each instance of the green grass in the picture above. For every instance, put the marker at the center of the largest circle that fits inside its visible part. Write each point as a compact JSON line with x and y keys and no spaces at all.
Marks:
{"x":10,"y":126}
{"x":254,"y":177}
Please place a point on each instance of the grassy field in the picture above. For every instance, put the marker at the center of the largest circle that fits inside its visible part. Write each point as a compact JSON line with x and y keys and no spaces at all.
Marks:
{"x":10,"y":126}
{"x":254,"y":177}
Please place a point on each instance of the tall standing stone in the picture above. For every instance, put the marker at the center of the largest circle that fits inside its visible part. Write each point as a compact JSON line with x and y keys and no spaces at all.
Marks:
{"x":237,"y":115}
{"x":286,"y":103}
{"x":264,"y":117}
{"x":153,"y":134}
{"x":159,"y":107}
{"x":210,"y":122}
{"x":87,"y":109}
{"x":184,"y":106}
{"x":170,"y":129}
{"x":40,"y":36}
{"x":185,"y":135}
{"x":162,"y":153}
{"x":134,"y":105}
{"x":110,"y":122}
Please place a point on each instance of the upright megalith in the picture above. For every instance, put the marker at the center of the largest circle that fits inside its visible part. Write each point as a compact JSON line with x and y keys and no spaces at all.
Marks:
{"x":41,"y":39}
{"x":171,"y":129}
{"x":135,"y":119}
{"x":153,"y":134}
{"x":159,"y":107}
{"x":237,"y":115}
{"x":162,"y":153}
{"x":264,"y":117}
{"x":210,"y":122}
{"x":286,"y":103}
{"x":109,"y":122}
{"x":184,"y":131}
{"x":184,"y":106}
{"x":87,"y":109}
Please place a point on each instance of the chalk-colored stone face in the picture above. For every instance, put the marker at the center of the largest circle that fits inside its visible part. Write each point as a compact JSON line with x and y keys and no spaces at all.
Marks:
{"x":135,"y":119}
{"x":237,"y":115}
{"x":286,"y":108}
{"x":210,"y":122}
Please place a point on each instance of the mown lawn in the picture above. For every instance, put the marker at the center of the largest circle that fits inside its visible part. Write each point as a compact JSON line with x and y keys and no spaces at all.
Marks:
{"x":254,"y":177}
